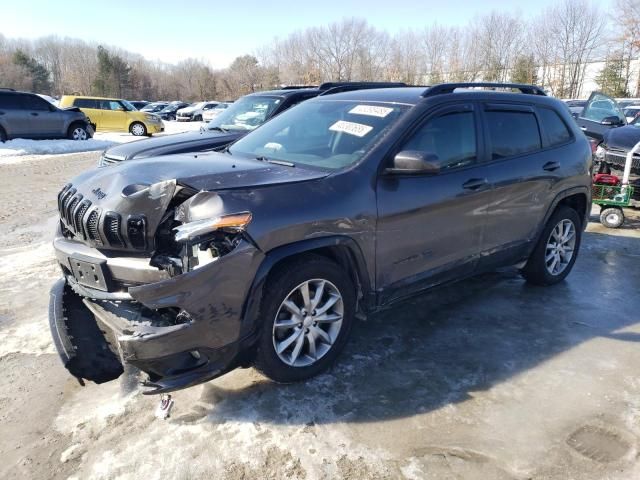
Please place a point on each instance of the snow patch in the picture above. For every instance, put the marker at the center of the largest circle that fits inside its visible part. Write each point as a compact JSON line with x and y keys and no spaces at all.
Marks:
{"x":20,"y":149}
{"x":31,"y":338}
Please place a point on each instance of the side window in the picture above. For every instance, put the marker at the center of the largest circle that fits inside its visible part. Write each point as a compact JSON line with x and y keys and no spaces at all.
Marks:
{"x":84,"y":103}
{"x":555,"y":128}
{"x":451,"y":137}
{"x":512,"y":133}
{"x":33,"y":102}
{"x":10,"y":101}
{"x":110,"y":105}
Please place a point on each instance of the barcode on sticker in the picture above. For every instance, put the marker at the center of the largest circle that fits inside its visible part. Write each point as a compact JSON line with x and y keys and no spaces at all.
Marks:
{"x":357,"y":129}
{"x":371,"y":110}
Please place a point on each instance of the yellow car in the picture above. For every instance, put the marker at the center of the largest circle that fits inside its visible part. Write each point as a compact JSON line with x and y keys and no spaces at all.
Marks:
{"x":115,"y":115}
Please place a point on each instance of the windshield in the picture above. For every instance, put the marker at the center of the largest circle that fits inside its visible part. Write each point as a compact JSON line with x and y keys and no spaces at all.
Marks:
{"x":245,"y":114}
{"x":328,"y":134}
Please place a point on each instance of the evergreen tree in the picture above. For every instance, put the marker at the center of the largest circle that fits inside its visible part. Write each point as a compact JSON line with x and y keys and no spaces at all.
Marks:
{"x":525,"y":70}
{"x":612,"y":79}
{"x":40,"y":78}
{"x":113,"y":79}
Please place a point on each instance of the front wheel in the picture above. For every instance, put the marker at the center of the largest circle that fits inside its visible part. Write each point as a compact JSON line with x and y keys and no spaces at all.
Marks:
{"x":138,"y":129}
{"x":307,"y":312}
{"x":78,"y":132}
{"x":612,"y":217}
{"x":555,"y":254}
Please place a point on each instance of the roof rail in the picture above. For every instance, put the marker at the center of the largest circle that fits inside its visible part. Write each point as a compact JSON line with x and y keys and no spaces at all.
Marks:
{"x":297,"y":87}
{"x":443,"y":88}
{"x":335,"y":87}
{"x":7,"y":88}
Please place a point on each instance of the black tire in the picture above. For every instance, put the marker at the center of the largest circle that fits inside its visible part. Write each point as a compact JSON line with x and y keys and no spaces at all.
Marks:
{"x":136,"y":131}
{"x":74,"y":132}
{"x":612,"y":217}
{"x":535,"y":271}
{"x":3,"y":136}
{"x":280,"y":283}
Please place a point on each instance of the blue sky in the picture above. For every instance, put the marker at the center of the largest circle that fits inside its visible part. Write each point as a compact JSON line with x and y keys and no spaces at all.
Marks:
{"x":218,"y":31}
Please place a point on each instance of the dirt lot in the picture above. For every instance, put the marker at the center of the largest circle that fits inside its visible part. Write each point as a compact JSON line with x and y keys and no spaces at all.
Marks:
{"x":486,"y":379}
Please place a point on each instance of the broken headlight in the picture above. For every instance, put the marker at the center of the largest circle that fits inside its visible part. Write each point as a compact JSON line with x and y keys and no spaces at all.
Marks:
{"x":204,"y":241}
{"x":190,"y":231}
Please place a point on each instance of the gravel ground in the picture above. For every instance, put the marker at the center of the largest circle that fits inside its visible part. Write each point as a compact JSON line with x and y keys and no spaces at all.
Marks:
{"x":485,"y":379}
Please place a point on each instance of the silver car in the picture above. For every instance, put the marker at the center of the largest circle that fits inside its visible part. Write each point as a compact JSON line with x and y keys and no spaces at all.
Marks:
{"x":27,"y":115}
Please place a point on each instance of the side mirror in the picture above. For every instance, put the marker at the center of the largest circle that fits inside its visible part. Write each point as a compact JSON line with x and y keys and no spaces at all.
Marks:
{"x":612,"y":120}
{"x":414,"y":162}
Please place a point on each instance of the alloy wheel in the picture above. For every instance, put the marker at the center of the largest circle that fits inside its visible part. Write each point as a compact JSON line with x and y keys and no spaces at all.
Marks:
{"x":79,"y":133}
{"x":560,"y":247}
{"x":137,"y":130}
{"x":308,"y":323}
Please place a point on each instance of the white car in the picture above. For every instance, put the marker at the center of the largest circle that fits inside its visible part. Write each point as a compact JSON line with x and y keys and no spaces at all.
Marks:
{"x":194,"y":112}
{"x":210,"y":114}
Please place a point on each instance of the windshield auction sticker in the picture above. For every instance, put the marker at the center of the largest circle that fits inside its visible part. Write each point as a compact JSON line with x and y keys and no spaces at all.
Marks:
{"x":371,"y":110}
{"x":357,"y":129}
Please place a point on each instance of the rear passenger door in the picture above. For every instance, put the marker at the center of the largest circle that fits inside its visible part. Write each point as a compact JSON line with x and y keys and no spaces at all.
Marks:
{"x":89,"y":107}
{"x":524,"y":165}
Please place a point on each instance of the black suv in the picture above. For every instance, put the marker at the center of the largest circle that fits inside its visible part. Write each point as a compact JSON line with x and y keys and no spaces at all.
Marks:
{"x":27,"y":115}
{"x":243,"y":116}
{"x":188,"y":266}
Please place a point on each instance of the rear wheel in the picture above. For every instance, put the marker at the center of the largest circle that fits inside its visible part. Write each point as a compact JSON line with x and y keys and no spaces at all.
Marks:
{"x":78,"y":131}
{"x":138,"y":129}
{"x":612,"y":217}
{"x":555,"y":254}
{"x":307,"y":312}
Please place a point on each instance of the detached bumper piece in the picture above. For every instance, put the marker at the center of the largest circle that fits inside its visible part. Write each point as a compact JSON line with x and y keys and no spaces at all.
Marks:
{"x":95,"y":338}
{"x":83,"y":347}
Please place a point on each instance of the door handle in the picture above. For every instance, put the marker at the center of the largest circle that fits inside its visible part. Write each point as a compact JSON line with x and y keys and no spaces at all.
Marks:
{"x":584,"y":129}
{"x":551,"y":166}
{"x":34,"y":114}
{"x":475,"y":183}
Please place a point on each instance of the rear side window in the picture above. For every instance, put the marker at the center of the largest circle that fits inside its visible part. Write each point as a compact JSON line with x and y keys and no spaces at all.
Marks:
{"x":10,"y":101}
{"x":84,"y":103}
{"x":555,"y":128}
{"x":451,"y":137}
{"x":512,"y":133}
{"x":33,"y":102}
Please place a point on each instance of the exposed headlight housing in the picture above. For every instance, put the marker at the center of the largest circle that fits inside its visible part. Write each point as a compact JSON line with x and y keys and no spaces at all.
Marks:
{"x":187,"y":232}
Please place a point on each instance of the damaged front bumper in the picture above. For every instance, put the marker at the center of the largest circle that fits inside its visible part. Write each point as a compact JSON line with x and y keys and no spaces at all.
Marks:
{"x":181,"y":330}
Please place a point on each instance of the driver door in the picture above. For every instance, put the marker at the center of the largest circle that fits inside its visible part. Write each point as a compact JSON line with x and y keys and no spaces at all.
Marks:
{"x":601,"y":114}
{"x":430,"y":226}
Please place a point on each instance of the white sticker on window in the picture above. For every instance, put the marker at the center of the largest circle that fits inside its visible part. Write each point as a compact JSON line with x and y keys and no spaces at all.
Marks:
{"x":371,"y":110}
{"x":357,"y":129}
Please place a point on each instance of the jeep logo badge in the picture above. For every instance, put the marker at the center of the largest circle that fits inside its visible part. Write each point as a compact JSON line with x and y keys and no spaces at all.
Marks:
{"x":99,"y":193}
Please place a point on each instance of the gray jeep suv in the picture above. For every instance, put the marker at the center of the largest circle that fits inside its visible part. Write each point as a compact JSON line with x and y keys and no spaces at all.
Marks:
{"x":188,"y":266}
{"x":27,"y":115}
